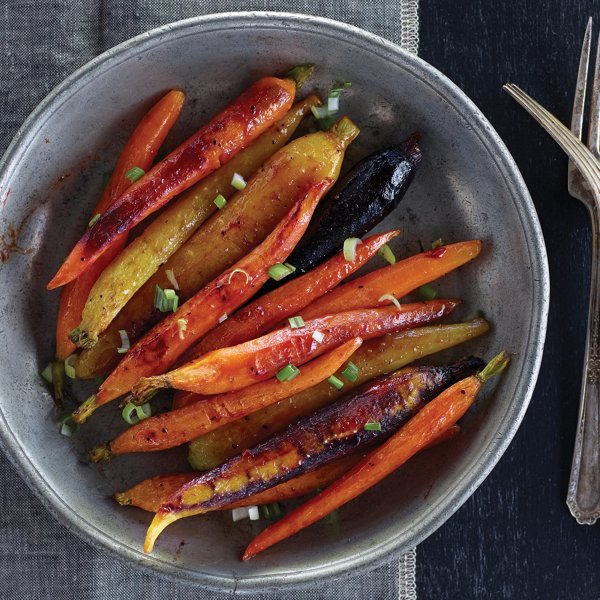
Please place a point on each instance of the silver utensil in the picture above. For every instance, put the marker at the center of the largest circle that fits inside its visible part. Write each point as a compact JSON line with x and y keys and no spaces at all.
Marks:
{"x":583,"y":497}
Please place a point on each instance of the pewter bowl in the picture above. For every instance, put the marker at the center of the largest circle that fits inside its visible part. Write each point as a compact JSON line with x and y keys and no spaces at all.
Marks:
{"x":468,"y":187}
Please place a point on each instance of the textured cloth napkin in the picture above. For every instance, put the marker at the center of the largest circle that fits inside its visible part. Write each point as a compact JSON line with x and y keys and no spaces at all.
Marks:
{"x":41,"y":42}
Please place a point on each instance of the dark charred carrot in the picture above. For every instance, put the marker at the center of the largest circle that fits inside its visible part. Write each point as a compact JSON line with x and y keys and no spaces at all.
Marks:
{"x":431,"y":422}
{"x":331,"y":432}
{"x":163,"y":344}
{"x":151,"y":493}
{"x":214,"y":144}
{"x":176,"y":427}
{"x":397,"y":280}
{"x":270,"y":310}
{"x":139,"y":151}
{"x":233,"y":368}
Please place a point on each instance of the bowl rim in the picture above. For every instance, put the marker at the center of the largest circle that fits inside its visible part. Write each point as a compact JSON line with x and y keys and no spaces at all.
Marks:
{"x":529,"y":368}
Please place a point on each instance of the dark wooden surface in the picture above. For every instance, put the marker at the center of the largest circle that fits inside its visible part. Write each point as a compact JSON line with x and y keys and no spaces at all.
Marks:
{"x":515,"y":537}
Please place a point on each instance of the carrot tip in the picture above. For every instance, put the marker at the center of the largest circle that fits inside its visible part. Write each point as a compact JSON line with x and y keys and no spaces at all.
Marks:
{"x":82,"y":338}
{"x":80,"y":415}
{"x":100,"y":453}
{"x":122,"y":498}
{"x":494,"y":367}
{"x":300,"y":74}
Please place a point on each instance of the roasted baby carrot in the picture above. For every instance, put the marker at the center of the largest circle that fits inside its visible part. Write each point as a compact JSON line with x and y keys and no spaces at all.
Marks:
{"x":139,"y":151}
{"x":329,"y":433}
{"x":381,"y":355}
{"x":438,"y":416}
{"x":228,"y":235}
{"x":164,"y":344}
{"x":149,"y":494}
{"x":280,"y":351}
{"x":152,"y":248}
{"x":213,"y":145}
{"x":176,"y":427}
{"x":270,"y":310}
{"x":397,"y":280}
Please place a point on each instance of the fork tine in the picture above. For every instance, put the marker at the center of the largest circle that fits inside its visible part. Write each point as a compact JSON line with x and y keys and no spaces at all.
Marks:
{"x":580,"y":88}
{"x":594,"y":127}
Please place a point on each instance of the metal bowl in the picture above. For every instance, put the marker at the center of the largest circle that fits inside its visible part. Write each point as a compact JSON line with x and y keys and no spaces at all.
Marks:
{"x":468,"y":187}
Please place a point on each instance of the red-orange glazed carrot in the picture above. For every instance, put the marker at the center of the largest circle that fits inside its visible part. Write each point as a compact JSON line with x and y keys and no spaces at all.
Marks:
{"x":431,"y":422}
{"x":176,"y":427}
{"x":211,"y":146}
{"x":164,"y":344}
{"x":270,"y":310}
{"x":233,"y":368}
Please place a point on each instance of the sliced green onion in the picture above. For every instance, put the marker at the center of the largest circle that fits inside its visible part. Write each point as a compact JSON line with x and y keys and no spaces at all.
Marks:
{"x":133,"y":414}
{"x":280,"y":270}
{"x":350,"y":248}
{"x":106,"y":178}
{"x":66,"y":425}
{"x":46,"y":374}
{"x":238,"y":271}
{"x":220,"y":201}
{"x":386,"y":253}
{"x":351,"y":372}
{"x":181,"y":326}
{"x":319,"y":112}
{"x":238,"y":182}
{"x":171,"y":277}
{"x":243,"y":512}
{"x":70,"y":366}
{"x":125,"y":345}
{"x":288,"y":373}
{"x":270,"y":511}
{"x":318,"y":336}
{"x":296,"y":322}
{"x":338,"y":384}
{"x":253,"y":513}
{"x":264,"y":511}
{"x":223,"y":317}
{"x":134,"y":174}
{"x":94,"y":220}
{"x":427,"y":292}
{"x":372,"y":426}
{"x":165,"y":300}
{"x":333,"y":104}
{"x":437,"y":243}
{"x":392,"y":299}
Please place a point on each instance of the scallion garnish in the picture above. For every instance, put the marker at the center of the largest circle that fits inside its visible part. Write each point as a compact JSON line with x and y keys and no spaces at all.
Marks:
{"x":319,"y":112}
{"x":351,"y":372}
{"x":223,"y":318}
{"x":288,"y":373}
{"x":66,"y":425}
{"x":326,"y":114}
{"x":220,"y":201}
{"x":165,"y":300}
{"x":372,"y":426}
{"x":392,"y":299}
{"x":171,"y":277}
{"x":253,"y":513}
{"x":350,"y":248}
{"x":280,"y":270}
{"x":333,"y":104}
{"x":270,"y":511}
{"x":70,"y":366}
{"x":46,"y":374}
{"x":386,"y":253}
{"x":125,"y":345}
{"x":181,"y":326}
{"x":437,"y":243}
{"x":94,"y":220}
{"x":296,"y":322}
{"x":318,"y":336}
{"x":238,"y":182}
{"x":338,"y":384}
{"x":238,"y":271}
{"x":133,"y":414}
{"x":134,"y":174}
{"x":426,"y":292}
{"x":243,"y":512}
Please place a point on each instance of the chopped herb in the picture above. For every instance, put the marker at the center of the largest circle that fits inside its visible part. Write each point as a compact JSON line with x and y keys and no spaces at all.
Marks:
{"x":94,"y":220}
{"x":66,"y":425}
{"x":288,"y":373}
{"x":220,"y":201}
{"x":351,"y":372}
{"x":125,"y":345}
{"x":437,"y":243}
{"x":386,"y":253}
{"x":318,"y":336}
{"x":280,"y":270}
{"x":338,"y":384}
{"x":134,"y":174}
{"x":133,"y":414}
{"x":296,"y":322}
{"x":181,"y":326}
{"x":165,"y":300}
{"x":46,"y":374}
{"x":238,"y":182}
{"x":392,"y":299}
{"x":372,"y":426}
{"x":171,"y":277}
{"x":70,"y":366}
{"x":426,"y":292}
{"x":223,"y":318}
{"x":350,"y":248}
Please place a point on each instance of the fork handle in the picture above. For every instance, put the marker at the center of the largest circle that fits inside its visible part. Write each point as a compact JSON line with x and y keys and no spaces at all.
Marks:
{"x":583,"y":497}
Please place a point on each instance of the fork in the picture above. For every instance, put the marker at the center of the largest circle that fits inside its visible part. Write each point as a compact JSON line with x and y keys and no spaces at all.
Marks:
{"x":583,"y":495}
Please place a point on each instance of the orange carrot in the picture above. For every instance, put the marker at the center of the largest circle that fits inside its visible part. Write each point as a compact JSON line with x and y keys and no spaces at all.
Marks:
{"x":176,"y":427}
{"x":233,"y":368}
{"x":211,"y":146}
{"x":270,"y":310}
{"x":431,"y":422}
{"x":163,"y":344}
{"x":398,"y":279}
